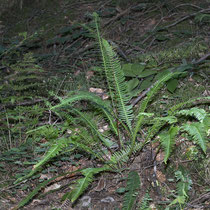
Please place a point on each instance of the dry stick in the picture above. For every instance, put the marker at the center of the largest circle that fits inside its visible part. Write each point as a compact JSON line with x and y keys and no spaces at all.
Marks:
{"x":55,"y":58}
{"x":117,"y":17}
{"x":201,"y":59}
{"x":187,"y":4}
{"x":153,"y":30}
{"x":201,"y":198}
{"x":186,"y":17}
{"x":175,"y":23}
{"x":103,"y":5}
{"x":142,"y":95}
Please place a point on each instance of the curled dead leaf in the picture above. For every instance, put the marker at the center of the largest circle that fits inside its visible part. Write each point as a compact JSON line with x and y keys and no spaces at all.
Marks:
{"x":160,"y":157}
{"x":52,"y":187}
{"x":160,"y":176}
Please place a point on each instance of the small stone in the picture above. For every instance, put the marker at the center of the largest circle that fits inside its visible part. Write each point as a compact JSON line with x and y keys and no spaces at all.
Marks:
{"x":86,"y":201}
{"x":108,"y":199}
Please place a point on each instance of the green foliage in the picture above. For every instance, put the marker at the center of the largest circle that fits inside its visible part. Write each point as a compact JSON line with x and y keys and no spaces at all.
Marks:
{"x":197,"y":130}
{"x":150,"y":66}
{"x":168,"y":141}
{"x":115,"y":79}
{"x":184,"y":184}
{"x":198,"y":133}
{"x":133,"y":184}
{"x":53,"y":152}
{"x":20,"y":88}
{"x":199,"y":114}
{"x":83,"y":183}
{"x":38,"y":188}
{"x":145,"y":202}
{"x":118,"y":85}
{"x":124,"y":127}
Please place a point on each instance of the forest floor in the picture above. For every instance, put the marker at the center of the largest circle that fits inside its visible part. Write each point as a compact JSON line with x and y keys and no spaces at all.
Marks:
{"x":163,"y":34}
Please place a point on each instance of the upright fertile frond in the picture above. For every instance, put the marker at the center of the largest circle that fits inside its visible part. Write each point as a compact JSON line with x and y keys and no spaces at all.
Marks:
{"x":117,"y":84}
{"x":103,"y":54}
{"x":197,"y":131}
{"x":168,"y":141}
{"x":115,"y":79}
{"x":132,"y":188}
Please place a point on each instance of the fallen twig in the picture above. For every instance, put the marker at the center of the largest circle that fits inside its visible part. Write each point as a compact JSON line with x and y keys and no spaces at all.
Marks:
{"x":186,"y":17}
{"x":117,"y":17}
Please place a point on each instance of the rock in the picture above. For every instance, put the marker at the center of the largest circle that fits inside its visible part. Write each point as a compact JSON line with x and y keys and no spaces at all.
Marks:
{"x":108,"y":199}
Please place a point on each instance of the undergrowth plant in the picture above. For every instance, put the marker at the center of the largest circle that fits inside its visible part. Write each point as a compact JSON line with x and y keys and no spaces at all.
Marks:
{"x":115,"y":147}
{"x":184,"y":184}
{"x":20,"y":85}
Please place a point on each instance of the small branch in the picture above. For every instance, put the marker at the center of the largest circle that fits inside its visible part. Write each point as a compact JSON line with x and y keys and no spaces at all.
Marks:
{"x":186,"y":17}
{"x":117,"y":17}
{"x":142,"y":95}
{"x":201,"y":59}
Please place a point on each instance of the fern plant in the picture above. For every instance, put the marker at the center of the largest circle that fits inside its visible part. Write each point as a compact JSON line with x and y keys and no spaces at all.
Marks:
{"x":20,"y":85}
{"x":132,"y":188}
{"x":184,"y":184}
{"x":124,"y":124}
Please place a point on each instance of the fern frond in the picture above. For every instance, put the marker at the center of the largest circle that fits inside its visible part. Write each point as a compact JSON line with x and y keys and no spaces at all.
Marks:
{"x":115,"y":79}
{"x":74,"y":96}
{"x":122,"y":156}
{"x":133,"y":184}
{"x":179,"y":200}
{"x":83,"y":183}
{"x":84,"y":139}
{"x":168,"y":141}
{"x":54,"y":150}
{"x":198,"y":113}
{"x":103,"y":55}
{"x":158,"y":123}
{"x":153,"y":130}
{"x":119,"y":86}
{"x":155,"y":89}
{"x":189,"y":103}
{"x":104,"y":139}
{"x":184,"y":182}
{"x":145,"y":102}
{"x":197,"y":131}
{"x":82,"y":95}
{"x":87,"y":149}
{"x":38,"y":188}
{"x":145,"y":202}
{"x":168,"y":119}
